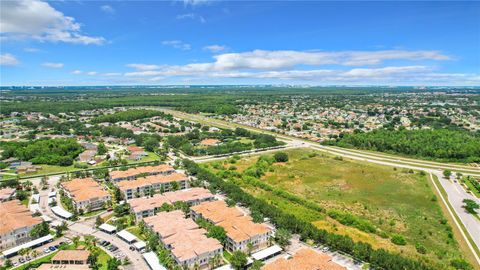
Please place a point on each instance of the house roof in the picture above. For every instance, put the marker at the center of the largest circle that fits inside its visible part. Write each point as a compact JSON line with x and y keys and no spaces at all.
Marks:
{"x":71,"y":255}
{"x":186,"y":239}
{"x":305,"y":259}
{"x":209,"y":142}
{"x":237,"y":225}
{"x":14,"y":215}
{"x":184,"y":195}
{"x":84,"y":189}
{"x":6,"y":193}
{"x":151,"y":180}
{"x":140,"y":170}
{"x":187,"y":195}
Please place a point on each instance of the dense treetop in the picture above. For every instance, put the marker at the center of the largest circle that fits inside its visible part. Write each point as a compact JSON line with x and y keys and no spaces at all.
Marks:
{"x":442,"y":144}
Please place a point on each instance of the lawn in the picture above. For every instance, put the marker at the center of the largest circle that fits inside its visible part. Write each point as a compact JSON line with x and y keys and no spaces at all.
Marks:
{"x":395,"y":201}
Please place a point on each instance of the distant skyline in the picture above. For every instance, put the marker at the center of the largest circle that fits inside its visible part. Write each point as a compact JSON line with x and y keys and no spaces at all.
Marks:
{"x":239,"y":42}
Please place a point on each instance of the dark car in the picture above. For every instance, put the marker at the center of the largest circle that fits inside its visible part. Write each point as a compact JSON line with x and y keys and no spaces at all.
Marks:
{"x":52,"y":248}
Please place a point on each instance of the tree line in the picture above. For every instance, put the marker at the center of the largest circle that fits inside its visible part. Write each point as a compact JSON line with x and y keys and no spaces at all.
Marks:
{"x":440,"y":144}
{"x":44,"y":151}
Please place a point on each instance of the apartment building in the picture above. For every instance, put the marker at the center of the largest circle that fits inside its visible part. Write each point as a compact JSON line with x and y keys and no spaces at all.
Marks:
{"x":187,"y":241}
{"x":153,"y":183}
{"x":305,"y":258}
{"x":133,"y":173}
{"x":86,"y":194}
{"x":16,"y":222}
{"x":240,"y":228}
{"x":148,"y":206}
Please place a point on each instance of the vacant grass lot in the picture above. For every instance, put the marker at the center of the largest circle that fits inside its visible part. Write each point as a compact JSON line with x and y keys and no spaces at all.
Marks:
{"x":395,"y":201}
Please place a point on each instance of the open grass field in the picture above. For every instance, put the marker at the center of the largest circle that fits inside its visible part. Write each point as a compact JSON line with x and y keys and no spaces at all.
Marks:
{"x":395,"y":202}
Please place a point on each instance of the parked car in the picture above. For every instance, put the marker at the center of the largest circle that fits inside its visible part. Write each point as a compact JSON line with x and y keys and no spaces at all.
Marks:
{"x":52,"y":248}
{"x":46,"y":250}
{"x":21,"y":260}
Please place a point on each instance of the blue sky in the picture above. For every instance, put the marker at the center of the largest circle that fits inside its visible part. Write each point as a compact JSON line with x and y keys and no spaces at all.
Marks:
{"x":239,"y":42}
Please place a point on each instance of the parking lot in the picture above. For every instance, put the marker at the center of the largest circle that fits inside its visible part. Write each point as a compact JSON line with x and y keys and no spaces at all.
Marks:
{"x":41,"y":251}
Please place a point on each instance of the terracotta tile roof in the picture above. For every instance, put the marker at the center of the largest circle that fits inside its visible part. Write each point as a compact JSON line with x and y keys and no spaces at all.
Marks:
{"x":142,"y":204}
{"x":14,"y":215}
{"x":185,"y":195}
{"x":186,"y":239}
{"x":238,"y":226}
{"x":152,"y":179}
{"x":305,"y":259}
{"x":209,"y":142}
{"x":6,"y":193}
{"x":140,"y":170}
{"x":71,"y":255}
{"x":84,"y":189}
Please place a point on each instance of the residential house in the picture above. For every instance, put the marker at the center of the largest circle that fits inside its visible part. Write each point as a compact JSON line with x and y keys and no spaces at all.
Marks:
{"x":76,"y":257}
{"x":7,"y":194}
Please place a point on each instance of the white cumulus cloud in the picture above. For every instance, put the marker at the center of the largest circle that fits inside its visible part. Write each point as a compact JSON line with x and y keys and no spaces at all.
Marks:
{"x":177,"y":44}
{"x":143,"y":66}
{"x":215,"y":48}
{"x":38,"y":20}
{"x":8,"y":59}
{"x":107,"y":9}
{"x":53,"y":65}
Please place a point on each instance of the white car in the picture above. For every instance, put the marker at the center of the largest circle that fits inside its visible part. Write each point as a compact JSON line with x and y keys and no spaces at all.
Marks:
{"x":46,"y":250}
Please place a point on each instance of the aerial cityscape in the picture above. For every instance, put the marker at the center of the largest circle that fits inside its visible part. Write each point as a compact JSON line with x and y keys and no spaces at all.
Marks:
{"x":235,"y":135}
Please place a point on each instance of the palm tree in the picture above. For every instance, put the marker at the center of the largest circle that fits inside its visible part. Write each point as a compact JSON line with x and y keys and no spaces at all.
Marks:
{"x":249,"y":248}
{"x":34,"y":253}
{"x":196,"y":266}
{"x":76,"y":241}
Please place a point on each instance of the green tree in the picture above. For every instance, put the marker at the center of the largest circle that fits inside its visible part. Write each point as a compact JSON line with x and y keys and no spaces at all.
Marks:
{"x":102,"y":149}
{"x":218,"y":233}
{"x":281,"y":157}
{"x":447,"y":173}
{"x":40,"y":230}
{"x":256,"y":265}
{"x":282,"y":237}
{"x":238,"y":260}
{"x":113,"y":264}
{"x":471,"y":206}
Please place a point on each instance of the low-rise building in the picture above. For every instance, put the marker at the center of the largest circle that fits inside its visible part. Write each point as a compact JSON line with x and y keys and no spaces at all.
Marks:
{"x":78,"y":256}
{"x":152,"y":183}
{"x":86,"y":194}
{"x":16,"y":222}
{"x":7,"y":194}
{"x":240,"y":228}
{"x":305,"y":258}
{"x":87,"y":155}
{"x":145,"y":207}
{"x":133,"y":173}
{"x":188,"y":243}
